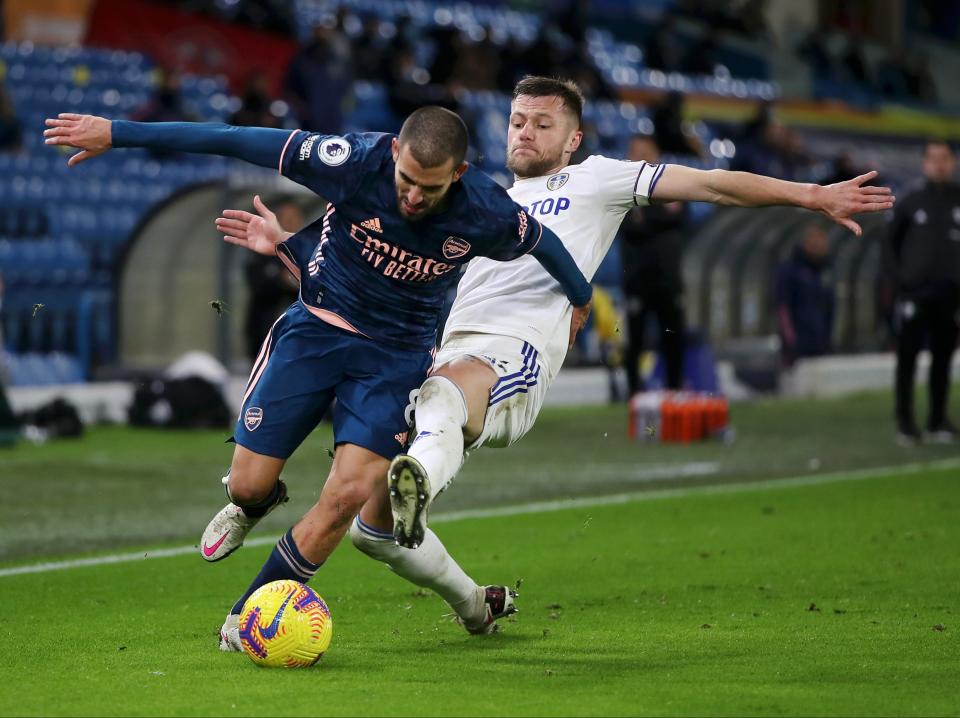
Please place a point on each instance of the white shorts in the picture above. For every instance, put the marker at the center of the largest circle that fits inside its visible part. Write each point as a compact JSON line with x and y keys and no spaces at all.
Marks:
{"x":516,"y":398}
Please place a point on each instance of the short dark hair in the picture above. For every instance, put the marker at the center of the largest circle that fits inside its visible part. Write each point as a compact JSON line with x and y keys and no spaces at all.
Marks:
{"x":434,"y":136}
{"x":567,"y":90}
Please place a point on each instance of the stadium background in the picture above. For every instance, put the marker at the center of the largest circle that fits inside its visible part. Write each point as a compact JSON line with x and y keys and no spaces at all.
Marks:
{"x":87,"y":243}
{"x":110,"y":272}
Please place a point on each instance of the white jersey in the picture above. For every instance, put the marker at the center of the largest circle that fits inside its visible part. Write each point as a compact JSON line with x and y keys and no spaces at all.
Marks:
{"x":584,"y":205}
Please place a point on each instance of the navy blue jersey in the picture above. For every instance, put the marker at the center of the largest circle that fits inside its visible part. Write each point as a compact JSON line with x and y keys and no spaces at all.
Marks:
{"x":365,"y":267}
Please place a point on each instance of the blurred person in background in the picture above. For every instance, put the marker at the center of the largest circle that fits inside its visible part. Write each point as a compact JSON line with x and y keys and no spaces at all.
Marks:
{"x":767,"y":146}
{"x":255,"y":104}
{"x":272,"y":287}
{"x":651,"y":242}
{"x":11,"y":136}
{"x":703,"y":57}
{"x":319,"y":81}
{"x":842,"y":169}
{"x":167,"y":103}
{"x":671,"y":136}
{"x":892,"y":73}
{"x":923,"y":258}
{"x":813,"y":50}
{"x":661,"y":51}
{"x":805,"y":298}
{"x":920,"y":83}
{"x":370,"y":51}
{"x":854,"y":66}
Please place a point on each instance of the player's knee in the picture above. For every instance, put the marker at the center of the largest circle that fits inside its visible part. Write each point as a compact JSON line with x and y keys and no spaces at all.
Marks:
{"x":443,"y":393}
{"x":245,"y":489}
{"x":252,"y":477}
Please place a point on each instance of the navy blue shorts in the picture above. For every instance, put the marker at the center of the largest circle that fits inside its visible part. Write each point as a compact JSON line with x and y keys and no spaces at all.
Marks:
{"x":303,"y":365}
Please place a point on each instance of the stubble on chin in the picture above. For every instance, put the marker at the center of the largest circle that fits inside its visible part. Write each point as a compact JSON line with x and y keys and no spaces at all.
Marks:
{"x":538,"y":167}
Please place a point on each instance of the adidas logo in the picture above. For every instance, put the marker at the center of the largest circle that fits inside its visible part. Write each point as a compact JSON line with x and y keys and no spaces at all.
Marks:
{"x":373,"y":224}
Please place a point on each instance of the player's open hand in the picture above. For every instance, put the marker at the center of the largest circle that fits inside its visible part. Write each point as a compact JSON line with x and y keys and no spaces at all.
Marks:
{"x":578,"y":321}
{"x":842,"y":200}
{"x":90,"y":134}
{"x":260,"y":233}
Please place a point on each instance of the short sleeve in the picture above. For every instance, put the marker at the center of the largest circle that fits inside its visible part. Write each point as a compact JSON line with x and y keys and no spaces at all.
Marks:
{"x":625,"y":184}
{"x":330,"y":165}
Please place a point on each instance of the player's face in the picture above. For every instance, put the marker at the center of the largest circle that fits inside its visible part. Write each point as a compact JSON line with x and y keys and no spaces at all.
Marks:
{"x":421,"y":190}
{"x":938,"y":163}
{"x":541,"y":137}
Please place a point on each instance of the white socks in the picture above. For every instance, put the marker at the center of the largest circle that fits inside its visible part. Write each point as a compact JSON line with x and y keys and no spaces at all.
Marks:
{"x":429,"y":566}
{"x":440,"y":415}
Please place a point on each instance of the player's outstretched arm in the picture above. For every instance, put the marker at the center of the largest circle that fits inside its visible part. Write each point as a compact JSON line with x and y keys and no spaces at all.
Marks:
{"x":838,"y":201}
{"x":94,"y":135}
{"x":260,"y":233}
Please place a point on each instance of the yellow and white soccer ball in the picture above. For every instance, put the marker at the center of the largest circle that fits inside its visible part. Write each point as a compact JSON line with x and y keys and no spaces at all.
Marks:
{"x":285,"y":624}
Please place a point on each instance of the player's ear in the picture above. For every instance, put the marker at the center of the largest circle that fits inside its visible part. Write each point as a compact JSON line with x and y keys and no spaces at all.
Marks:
{"x":575,"y":142}
{"x":458,"y":173}
{"x":395,"y":148}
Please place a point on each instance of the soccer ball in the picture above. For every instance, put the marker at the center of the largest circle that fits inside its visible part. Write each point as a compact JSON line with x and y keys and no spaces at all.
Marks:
{"x":286,"y":624}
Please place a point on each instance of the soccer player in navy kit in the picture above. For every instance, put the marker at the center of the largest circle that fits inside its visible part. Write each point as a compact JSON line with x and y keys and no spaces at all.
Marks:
{"x":405,"y":212}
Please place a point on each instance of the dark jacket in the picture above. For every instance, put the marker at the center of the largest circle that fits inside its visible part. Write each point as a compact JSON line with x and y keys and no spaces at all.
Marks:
{"x":651,"y":245}
{"x":922,"y":251}
{"x":805,"y":306}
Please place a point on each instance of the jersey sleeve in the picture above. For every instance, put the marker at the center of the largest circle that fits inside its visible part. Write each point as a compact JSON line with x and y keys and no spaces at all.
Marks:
{"x":330,"y":165}
{"x":625,"y":184}
{"x":518,"y":233}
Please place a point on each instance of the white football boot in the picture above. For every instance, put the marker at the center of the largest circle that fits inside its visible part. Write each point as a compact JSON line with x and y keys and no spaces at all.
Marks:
{"x":409,"y":500}
{"x":227,"y":530}
{"x":230,"y":635}
{"x":497,"y":603}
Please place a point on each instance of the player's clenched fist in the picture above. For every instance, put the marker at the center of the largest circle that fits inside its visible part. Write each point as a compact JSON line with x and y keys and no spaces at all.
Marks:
{"x":88,"y":133}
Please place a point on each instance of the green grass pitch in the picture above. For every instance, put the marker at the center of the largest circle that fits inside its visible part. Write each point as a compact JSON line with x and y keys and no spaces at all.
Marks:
{"x":813,"y":597}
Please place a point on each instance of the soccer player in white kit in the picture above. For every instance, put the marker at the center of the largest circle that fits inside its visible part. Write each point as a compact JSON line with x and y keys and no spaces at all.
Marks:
{"x":506,"y":336}
{"x":509,"y":329}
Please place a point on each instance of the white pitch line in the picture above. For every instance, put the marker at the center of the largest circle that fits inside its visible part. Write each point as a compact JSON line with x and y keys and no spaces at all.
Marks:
{"x":533,"y":508}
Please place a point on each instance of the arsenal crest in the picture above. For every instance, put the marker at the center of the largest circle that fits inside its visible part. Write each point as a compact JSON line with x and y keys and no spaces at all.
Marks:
{"x":557,"y":181}
{"x":454,"y":248}
{"x":252,"y":418}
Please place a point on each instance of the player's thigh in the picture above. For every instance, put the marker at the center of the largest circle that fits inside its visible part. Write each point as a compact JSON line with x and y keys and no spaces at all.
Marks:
{"x":475,"y":378}
{"x":511,"y":414}
{"x":512,"y":402}
{"x":373,"y":397}
{"x":292,"y":387}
